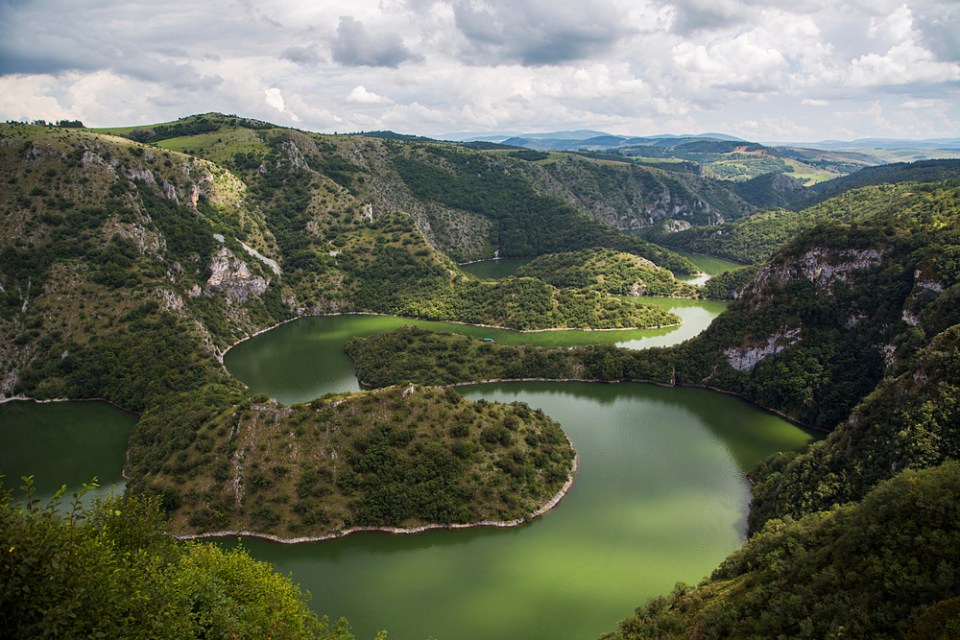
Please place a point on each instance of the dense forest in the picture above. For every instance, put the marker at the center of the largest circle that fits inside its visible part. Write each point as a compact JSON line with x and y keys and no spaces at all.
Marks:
{"x":114,"y":571}
{"x":608,"y":271}
{"x":130,"y":260}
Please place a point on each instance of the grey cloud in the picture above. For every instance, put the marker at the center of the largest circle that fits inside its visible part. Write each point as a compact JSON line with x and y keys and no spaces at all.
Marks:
{"x":539,"y":32}
{"x":354,"y":45}
{"x":707,"y":15}
{"x":302,"y":55}
{"x":940,"y":24}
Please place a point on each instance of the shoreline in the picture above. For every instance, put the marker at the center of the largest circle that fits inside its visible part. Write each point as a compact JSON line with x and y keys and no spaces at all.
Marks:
{"x":342,"y":533}
{"x":22,"y":398}
{"x":223,"y":354}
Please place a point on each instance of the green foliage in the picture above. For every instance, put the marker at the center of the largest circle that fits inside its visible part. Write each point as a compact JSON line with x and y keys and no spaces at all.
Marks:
{"x":910,"y":421}
{"x":526,"y":223}
{"x":605,"y":270}
{"x":757,"y":237}
{"x":887,"y":174}
{"x":114,"y":572}
{"x":729,"y":284}
{"x":400,"y":457}
{"x":428,"y":357}
{"x":529,"y":155}
{"x":392,"y":279}
{"x":878,"y":570}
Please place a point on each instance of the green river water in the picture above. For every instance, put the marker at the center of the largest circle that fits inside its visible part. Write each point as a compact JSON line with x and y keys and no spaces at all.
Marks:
{"x":660,"y":496}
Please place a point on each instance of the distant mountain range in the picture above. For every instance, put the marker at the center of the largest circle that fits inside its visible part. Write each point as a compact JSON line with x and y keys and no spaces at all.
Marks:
{"x":572,"y":140}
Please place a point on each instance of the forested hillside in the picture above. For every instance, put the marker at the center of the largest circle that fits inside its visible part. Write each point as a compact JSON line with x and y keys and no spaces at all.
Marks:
{"x":851,"y":328}
{"x":126,"y":270}
{"x":130,"y":262}
{"x":756,"y":237}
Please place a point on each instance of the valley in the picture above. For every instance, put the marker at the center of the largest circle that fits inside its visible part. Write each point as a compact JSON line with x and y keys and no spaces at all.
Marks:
{"x":132,"y":261}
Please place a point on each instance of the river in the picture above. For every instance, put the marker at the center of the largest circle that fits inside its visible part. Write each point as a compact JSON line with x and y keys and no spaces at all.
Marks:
{"x":661,"y":494}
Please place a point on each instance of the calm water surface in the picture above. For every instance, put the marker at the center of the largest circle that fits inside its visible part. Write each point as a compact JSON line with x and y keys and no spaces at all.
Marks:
{"x":660,"y":495}
{"x":63,"y":443}
{"x":709,"y":266}
{"x":494,"y":269}
{"x":304,"y":359}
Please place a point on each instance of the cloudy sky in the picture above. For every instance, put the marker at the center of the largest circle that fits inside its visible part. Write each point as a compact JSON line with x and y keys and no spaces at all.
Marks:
{"x":768,"y":70}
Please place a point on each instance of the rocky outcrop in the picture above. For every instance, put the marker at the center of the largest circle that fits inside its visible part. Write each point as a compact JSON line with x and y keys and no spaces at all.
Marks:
{"x":821,"y":266}
{"x":232,"y":276}
{"x":746,"y":358}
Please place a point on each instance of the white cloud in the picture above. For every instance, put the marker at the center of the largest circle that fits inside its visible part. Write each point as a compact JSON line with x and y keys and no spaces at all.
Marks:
{"x":904,"y":64}
{"x":360,"y":95}
{"x":432,"y":66}
{"x":274,"y":98}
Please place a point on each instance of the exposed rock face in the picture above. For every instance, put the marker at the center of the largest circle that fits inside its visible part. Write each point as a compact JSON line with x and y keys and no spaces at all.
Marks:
{"x":746,"y":358}
{"x":232,"y":276}
{"x":673,"y":226}
{"x":262,"y":258}
{"x":631,"y":197}
{"x":823,"y":267}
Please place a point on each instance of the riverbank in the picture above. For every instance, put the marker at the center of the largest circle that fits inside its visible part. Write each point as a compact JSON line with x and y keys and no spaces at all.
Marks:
{"x":22,"y":398}
{"x":223,"y":354}
{"x":504,"y":524}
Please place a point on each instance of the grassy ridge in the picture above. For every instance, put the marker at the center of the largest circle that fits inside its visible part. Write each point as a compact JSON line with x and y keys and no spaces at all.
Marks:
{"x":757,"y":237}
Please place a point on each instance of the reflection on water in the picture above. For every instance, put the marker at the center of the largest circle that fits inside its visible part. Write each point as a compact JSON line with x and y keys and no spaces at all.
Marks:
{"x":63,"y":443}
{"x":304,"y":359}
{"x":660,"y":497}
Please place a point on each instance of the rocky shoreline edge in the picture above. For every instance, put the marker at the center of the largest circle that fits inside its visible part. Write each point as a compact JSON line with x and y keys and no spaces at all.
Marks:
{"x":550,"y":504}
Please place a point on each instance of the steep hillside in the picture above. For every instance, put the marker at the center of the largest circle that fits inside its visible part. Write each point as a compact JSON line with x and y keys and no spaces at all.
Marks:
{"x":758,"y":236}
{"x":628,"y":196}
{"x":469,"y":203}
{"x":828,"y":316}
{"x":125,"y":270}
{"x":102,"y":237}
{"x":530,"y":212}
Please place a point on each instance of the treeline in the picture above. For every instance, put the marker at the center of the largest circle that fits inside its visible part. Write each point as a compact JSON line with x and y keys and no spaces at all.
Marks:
{"x":114,"y":571}
{"x":410,"y":354}
{"x":192,"y":126}
{"x":609,"y":271}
